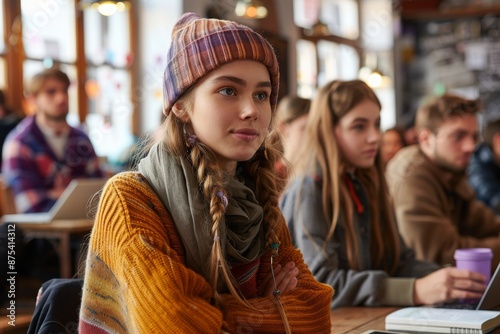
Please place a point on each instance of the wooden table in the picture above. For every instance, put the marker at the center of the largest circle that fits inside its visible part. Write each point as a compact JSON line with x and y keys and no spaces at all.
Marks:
{"x":359,"y":319}
{"x":59,"y":232}
{"x":356,"y":320}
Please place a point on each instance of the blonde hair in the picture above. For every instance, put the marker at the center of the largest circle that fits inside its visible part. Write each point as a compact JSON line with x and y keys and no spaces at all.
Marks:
{"x":39,"y":79}
{"x":260,"y":168}
{"x":320,"y":153}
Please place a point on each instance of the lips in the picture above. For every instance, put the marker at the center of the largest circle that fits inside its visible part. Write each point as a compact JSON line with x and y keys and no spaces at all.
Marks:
{"x":370,"y":152}
{"x":246,"y":134}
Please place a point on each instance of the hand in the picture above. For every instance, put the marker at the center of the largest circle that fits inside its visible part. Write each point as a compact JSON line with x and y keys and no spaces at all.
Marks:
{"x":55,"y":193}
{"x":286,"y":279}
{"x":447,"y":284}
{"x":60,"y":183}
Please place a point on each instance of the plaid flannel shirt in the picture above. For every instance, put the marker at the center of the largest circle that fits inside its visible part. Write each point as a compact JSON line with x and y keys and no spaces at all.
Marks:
{"x":30,"y":167}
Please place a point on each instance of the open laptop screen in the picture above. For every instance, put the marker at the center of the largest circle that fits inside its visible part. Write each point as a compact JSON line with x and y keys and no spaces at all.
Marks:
{"x":72,"y":204}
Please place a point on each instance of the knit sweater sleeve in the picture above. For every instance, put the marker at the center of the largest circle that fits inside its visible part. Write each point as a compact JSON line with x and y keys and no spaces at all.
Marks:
{"x":307,"y":306}
{"x":135,"y":278}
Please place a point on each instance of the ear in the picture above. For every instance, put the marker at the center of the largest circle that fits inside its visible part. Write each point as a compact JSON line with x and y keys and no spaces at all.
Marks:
{"x":29,"y":103}
{"x":424,"y":137}
{"x":496,"y":139}
{"x":495,"y":144}
{"x":180,"y":111}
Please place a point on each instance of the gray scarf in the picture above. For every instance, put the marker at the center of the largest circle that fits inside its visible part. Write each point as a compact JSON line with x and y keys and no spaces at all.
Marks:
{"x":241,"y":232}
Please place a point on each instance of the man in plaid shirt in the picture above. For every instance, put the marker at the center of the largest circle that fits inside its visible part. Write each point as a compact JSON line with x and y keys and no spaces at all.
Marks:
{"x":43,"y":153}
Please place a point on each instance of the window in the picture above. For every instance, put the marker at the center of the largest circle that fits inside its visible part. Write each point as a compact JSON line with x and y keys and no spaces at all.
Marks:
{"x":95,"y":52}
{"x":2,"y":50}
{"x":329,"y":47}
{"x":346,"y":40}
{"x":108,"y":82}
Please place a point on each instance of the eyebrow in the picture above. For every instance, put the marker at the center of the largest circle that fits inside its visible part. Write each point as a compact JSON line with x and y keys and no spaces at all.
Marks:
{"x":464,"y":132}
{"x":363,"y":120}
{"x":359,"y":119}
{"x":240,"y":81}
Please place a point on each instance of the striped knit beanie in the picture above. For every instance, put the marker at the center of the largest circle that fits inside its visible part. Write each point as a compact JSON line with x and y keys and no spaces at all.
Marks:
{"x":201,"y":45}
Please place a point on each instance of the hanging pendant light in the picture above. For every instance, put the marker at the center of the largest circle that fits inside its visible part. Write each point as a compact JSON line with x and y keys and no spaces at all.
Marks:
{"x":319,"y":28}
{"x":252,"y":9}
{"x":105,"y":7}
{"x":372,"y":74}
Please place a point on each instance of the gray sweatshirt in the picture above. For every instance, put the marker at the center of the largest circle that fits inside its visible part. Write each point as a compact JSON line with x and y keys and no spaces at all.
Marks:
{"x":328,"y":263}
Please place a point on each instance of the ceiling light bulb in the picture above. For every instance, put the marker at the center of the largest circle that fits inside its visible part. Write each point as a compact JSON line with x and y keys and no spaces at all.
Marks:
{"x":120,"y":6}
{"x":107,"y":9}
{"x":252,"y":12}
{"x":375,"y":79}
{"x":250,"y":9}
{"x":261,"y":11}
{"x":240,"y":9}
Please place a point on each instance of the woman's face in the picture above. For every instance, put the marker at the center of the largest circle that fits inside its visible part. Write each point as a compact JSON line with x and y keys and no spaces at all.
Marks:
{"x":358,"y":135}
{"x":391,"y":144}
{"x":231,"y":111}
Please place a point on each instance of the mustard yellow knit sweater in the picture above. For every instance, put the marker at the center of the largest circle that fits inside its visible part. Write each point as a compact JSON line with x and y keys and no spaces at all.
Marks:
{"x":136,"y":280}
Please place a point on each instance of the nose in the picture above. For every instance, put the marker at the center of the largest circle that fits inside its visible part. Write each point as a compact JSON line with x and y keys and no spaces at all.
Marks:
{"x":249,"y":109}
{"x":374,"y":135}
{"x":469,"y":144}
{"x":61,"y":96}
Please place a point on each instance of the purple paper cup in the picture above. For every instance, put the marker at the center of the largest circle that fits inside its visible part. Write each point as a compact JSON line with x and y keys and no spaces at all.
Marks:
{"x":475,"y":259}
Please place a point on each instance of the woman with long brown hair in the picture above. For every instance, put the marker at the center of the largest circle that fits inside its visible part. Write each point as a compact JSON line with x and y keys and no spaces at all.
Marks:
{"x":340,"y":215}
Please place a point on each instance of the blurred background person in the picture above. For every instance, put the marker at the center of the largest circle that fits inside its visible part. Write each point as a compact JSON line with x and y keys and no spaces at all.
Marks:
{"x":436,"y":209}
{"x":392,"y":141}
{"x":410,"y":135}
{"x":291,"y":122}
{"x":484,"y":169}
{"x":44,"y":153}
{"x":41,"y":156}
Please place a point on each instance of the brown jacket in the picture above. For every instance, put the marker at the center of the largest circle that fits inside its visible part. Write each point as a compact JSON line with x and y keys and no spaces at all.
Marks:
{"x":437,"y":211}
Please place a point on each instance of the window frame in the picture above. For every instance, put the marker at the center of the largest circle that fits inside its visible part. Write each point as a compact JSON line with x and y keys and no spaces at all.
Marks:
{"x":14,"y":59}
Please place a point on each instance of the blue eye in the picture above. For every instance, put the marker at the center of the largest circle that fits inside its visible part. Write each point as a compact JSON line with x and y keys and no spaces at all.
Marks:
{"x":227,"y":91}
{"x":262,"y":96}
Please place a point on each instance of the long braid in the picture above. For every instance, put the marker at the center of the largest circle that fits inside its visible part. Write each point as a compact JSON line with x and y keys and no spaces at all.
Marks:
{"x":266,"y":193}
{"x":261,"y":168}
{"x":210,"y":179}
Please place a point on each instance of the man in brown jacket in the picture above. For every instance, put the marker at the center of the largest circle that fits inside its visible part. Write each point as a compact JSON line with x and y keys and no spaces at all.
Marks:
{"x":436,"y":209}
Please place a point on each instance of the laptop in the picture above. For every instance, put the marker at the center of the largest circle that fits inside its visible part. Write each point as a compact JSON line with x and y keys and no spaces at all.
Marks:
{"x":489,"y":301}
{"x":72,"y":204}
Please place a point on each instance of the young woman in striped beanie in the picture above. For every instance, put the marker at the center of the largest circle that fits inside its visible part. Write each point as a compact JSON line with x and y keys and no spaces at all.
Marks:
{"x":194,"y":241}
